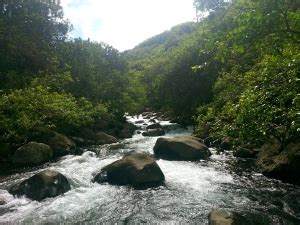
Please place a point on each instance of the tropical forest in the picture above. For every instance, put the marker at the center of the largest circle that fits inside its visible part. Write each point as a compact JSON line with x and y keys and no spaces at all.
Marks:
{"x":199,"y":124}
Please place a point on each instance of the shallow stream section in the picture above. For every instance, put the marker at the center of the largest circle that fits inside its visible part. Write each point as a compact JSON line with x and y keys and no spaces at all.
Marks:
{"x":191,"y":190}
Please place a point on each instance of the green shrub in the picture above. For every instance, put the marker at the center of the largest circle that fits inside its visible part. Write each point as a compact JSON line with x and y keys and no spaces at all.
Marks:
{"x":266,"y":106}
{"x":24,"y":110}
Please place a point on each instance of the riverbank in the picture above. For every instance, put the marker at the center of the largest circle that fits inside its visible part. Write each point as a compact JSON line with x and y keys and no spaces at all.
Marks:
{"x":191,"y":190}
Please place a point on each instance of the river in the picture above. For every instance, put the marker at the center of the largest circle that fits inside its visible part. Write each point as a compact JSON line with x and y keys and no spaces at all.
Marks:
{"x":191,"y":191}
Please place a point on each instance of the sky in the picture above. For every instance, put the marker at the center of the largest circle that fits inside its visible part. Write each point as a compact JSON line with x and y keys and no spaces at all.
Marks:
{"x":125,"y":23}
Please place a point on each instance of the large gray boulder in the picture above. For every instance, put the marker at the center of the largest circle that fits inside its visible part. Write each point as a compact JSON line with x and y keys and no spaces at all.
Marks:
{"x":43,"y":185}
{"x":103,"y":138}
{"x":61,"y":145}
{"x":32,"y":153}
{"x":280,"y":162}
{"x":139,"y":170}
{"x":181,"y":148}
{"x":154,"y":132}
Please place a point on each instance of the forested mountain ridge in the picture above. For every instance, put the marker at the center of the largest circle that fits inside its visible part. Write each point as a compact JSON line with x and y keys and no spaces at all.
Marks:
{"x":163,"y":65}
{"x":166,"y":40}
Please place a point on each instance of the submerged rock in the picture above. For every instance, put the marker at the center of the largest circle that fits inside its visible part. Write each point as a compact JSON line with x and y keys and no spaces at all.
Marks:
{"x":181,"y":148}
{"x":280,"y":162}
{"x":154,"y":133}
{"x":43,"y":185}
{"x":32,"y":153}
{"x":139,"y":170}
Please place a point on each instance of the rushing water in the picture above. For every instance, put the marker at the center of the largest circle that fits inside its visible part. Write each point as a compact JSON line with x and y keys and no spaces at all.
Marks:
{"x":191,"y":190}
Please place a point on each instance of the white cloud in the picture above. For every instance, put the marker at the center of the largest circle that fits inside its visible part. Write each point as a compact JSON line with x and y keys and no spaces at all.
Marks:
{"x":125,"y":23}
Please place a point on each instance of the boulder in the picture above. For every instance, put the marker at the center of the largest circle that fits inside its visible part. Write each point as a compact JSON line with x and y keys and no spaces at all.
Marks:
{"x":246,"y":151}
{"x":32,"y":153}
{"x":181,"y":148}
{"x":45,"y":184}
{"x":154,"y":126}
{"x":139,"y":170}
{"x":220,"y":217}
{"x":103,"y":138}
{"x":154,"y":133}
{"x":61,"y":145}
{"x":280,"y":162}
{"x":127,"y":131}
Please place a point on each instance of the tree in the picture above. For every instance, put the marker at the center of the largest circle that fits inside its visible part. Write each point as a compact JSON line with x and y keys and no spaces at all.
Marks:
{"x":27,"y":46}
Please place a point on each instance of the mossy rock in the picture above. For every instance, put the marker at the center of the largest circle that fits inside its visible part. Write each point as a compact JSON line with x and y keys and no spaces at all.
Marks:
{"x":280,"y":162}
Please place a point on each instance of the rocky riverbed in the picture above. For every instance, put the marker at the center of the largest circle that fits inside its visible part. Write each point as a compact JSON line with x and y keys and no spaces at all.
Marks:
{"x":190,"y":191}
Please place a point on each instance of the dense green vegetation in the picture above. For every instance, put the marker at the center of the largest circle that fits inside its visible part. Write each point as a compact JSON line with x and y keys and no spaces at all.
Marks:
{"x":235,"y":72}
{"x":49,"y":80}
{"x":163,"y":64}
{"x":255,"y":95}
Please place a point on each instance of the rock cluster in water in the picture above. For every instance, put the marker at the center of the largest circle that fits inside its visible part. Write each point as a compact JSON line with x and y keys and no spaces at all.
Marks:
{"x":44,"y":144}
{"x":275,"y":159}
